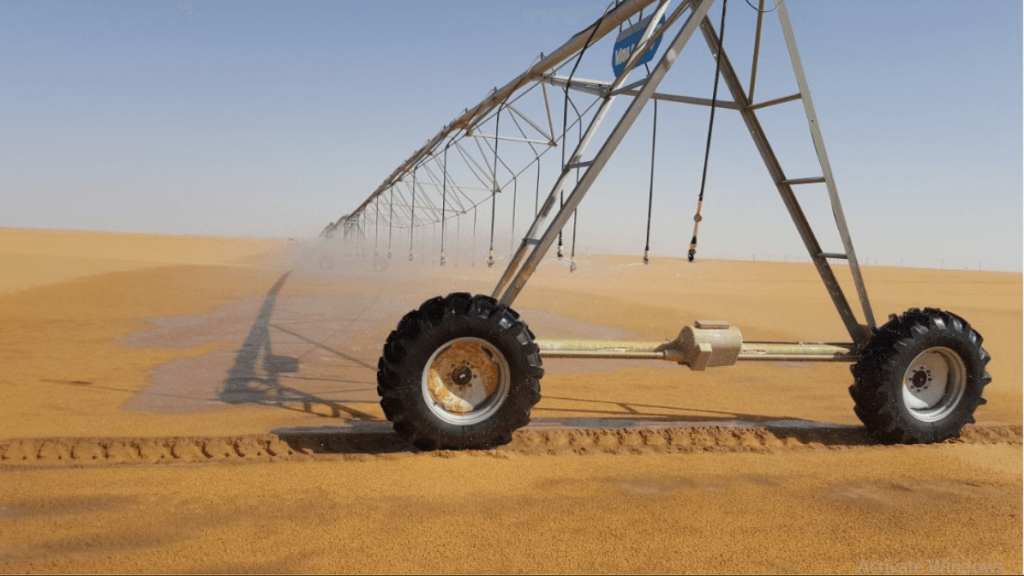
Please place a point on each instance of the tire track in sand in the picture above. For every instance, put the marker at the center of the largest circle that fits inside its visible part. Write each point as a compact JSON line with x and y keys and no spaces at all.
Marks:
{"x":304,"y":445}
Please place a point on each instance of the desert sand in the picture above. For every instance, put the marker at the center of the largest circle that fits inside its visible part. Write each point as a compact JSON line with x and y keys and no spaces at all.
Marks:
{"x":188,"y":404}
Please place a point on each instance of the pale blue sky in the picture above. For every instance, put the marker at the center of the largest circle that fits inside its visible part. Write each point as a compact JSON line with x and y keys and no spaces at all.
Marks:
{"x":274,"y":118}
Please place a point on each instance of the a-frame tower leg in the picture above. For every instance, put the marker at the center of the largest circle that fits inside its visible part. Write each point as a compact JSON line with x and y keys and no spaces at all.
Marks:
{"x":533,"y":249}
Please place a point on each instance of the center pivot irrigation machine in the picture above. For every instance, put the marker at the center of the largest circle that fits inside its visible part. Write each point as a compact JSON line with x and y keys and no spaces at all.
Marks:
{"x":464,"y":371}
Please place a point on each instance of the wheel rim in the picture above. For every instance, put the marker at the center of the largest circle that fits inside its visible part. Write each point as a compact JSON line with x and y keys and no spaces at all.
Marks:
{"x":466,"y":381}
{"x":934,"y":384}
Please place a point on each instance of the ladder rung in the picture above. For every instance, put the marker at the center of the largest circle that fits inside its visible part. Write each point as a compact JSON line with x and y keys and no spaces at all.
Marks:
{"x":782,"y":100}
{"x":798,"y":181}
{"x":574,"y":165}
{"x":834,"y":255}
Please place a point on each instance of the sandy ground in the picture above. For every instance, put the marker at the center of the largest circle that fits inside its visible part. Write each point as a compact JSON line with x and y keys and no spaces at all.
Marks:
{"x":184,"y":404}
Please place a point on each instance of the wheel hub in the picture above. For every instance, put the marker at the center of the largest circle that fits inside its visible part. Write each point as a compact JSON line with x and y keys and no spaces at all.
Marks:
{"x":466,"y":381}
{"x":934,"y":383}
{"x":462,"y":375}
{"x":922,"y":376}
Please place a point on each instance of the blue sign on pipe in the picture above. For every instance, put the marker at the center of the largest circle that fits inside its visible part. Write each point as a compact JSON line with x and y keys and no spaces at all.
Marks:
{"x":627,"y":41}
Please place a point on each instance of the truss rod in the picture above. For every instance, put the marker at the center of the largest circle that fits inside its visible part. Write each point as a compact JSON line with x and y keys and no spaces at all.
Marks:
{"x":550,"y":138}
{"x":601,"y":89}
{"x":508,"y":138}
{"x":547,"y":108}
{"x":550,"y":144}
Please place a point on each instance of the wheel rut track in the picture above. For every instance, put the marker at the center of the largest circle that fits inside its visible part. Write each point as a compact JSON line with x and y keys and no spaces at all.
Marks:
{"x":362,"y":446}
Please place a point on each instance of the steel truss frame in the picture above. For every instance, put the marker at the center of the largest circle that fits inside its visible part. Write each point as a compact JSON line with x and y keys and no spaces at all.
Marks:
{"x":553,"y":215}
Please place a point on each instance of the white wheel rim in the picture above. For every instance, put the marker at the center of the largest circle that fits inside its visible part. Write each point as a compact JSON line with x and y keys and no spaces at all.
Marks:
{"x":934,"y":384}
{"x":465,"y":381}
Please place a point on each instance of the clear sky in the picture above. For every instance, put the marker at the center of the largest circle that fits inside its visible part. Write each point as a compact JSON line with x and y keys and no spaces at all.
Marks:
{"x":274,"y":118}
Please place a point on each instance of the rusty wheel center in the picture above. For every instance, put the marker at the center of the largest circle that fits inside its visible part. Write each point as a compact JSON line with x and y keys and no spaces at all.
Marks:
{"x":466,"y":380}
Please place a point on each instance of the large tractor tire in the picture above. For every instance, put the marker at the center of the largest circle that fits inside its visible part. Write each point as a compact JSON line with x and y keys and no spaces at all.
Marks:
{"x":920,"y":378}
{"x":461,"y":372}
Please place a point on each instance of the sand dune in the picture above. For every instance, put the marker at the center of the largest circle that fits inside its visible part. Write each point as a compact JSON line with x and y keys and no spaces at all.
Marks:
{"x":208,"y":404}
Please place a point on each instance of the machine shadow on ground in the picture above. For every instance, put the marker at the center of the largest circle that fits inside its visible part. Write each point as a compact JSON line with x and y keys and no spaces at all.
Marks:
{"x":246,"y":384}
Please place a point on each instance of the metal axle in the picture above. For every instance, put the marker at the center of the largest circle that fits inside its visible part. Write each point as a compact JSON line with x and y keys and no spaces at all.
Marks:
{"x":669,"y":350}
